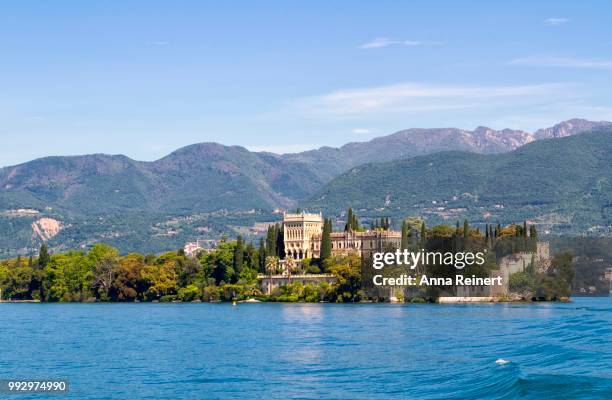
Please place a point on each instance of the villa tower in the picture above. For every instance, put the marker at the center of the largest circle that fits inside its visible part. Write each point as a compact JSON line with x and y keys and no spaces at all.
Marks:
{"x":299,"y":230}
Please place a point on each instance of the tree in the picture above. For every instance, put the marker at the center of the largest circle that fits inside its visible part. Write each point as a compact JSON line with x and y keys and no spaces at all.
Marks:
{"x":533,"y":238}
{"x":326,"y":245}
{"x":280,"y":241}
{"x":405,"y":235}
{"x":349,"y":220}
{"x":272,"y":265}
{"x":129,"y":284}
{"x":222,"y":261}
{"x":347,"y":270}
{"x":104,"y":260}
{"x":442,"y":231}
{"x":43,"y":256}
{"x":238,"y":261}
{"x":423,"y":235}
{"x":533,"y":233}
{"x":67,"y":277}
{"x":272,"y":240}
{"x":261,"y":255}
{"x":160,"y":279}
{"x":562,"y":266}
{"x":289,"y":266}
{"x":352,"y":223}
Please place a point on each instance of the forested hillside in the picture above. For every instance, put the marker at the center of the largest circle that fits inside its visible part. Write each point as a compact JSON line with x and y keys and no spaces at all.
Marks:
{"x":564,"y":184}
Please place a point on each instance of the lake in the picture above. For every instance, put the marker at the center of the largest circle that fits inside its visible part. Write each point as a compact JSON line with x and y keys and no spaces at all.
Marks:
{"x":312,"y":351}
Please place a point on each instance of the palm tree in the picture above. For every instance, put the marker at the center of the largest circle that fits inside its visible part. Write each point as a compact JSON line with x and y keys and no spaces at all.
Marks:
{"x":289,"y":265}
{"x":271,"y":264}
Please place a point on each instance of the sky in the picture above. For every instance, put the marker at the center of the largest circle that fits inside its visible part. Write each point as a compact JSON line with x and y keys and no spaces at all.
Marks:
{"x":143,"y":78}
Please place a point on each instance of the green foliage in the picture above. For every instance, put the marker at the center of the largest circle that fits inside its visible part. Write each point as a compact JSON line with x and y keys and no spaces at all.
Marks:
{"x":326,"y":245}
{"x":43,"y":256}
{"x":189,"y":293}
{"x":522,"y":282}
{"x":553,"y":284}
{"x":352,"y":222}
{"x":220,"y":263}
{"x":442,"y":231}
{"x":68,"y":277}
{"x":313,"y":269}
{"x":567,"y":179}
{"x":160,"y":280}
{"x":299,"y":292}
{"x":347,"y":271}
{"x":238,"y":256}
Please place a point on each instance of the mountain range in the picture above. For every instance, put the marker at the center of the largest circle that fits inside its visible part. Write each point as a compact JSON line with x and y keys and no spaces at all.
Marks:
{"x":562,"y":184}
{"x":95,"y":194}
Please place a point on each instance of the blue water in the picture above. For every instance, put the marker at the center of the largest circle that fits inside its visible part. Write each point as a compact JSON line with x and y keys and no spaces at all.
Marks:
{"x":312,"y":351}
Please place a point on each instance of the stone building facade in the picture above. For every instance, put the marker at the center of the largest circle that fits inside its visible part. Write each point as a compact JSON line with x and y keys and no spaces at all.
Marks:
{"x":298,"y":232}
{"x":303,"y":233}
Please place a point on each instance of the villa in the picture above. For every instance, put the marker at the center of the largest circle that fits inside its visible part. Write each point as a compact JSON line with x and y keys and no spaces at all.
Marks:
{"x":303,"y":233}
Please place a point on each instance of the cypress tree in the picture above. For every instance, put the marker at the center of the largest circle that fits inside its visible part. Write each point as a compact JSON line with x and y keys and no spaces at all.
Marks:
{"x":405,"y":234}
{"x":261,"y":255}
{"x":249,"y":256}
{"x":280,"y":242}
{"x":349,"y":220}
{"x":533,"y":238}
{"x":271,"y":241}
{"x":326,"y":247}
{"x":466,"y":229}
{"x":238,"y":256}
{"x":43,"y":256}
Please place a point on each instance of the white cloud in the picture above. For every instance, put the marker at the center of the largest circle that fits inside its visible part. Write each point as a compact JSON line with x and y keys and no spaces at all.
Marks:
{"x":420,"y":98}
{"x":562,"y":62}
{"x":361,"y":131}
{"x":386,"y":42}
{"x":378,"y":43}
{"x":555,"y":21}
{"x":157,"y":43}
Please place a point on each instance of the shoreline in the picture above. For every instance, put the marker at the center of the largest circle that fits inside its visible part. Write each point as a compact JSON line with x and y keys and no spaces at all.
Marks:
{"x":440,"y":301}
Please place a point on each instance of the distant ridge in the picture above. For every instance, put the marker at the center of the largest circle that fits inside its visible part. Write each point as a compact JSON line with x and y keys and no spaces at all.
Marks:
{"x":563,"y":184}
{"x":115,"y":198}
{"x":416,"y":141}
{"x":209,"y":176}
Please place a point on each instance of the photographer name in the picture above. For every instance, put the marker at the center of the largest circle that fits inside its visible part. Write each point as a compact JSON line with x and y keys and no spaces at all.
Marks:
{"x":424,"y":280}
